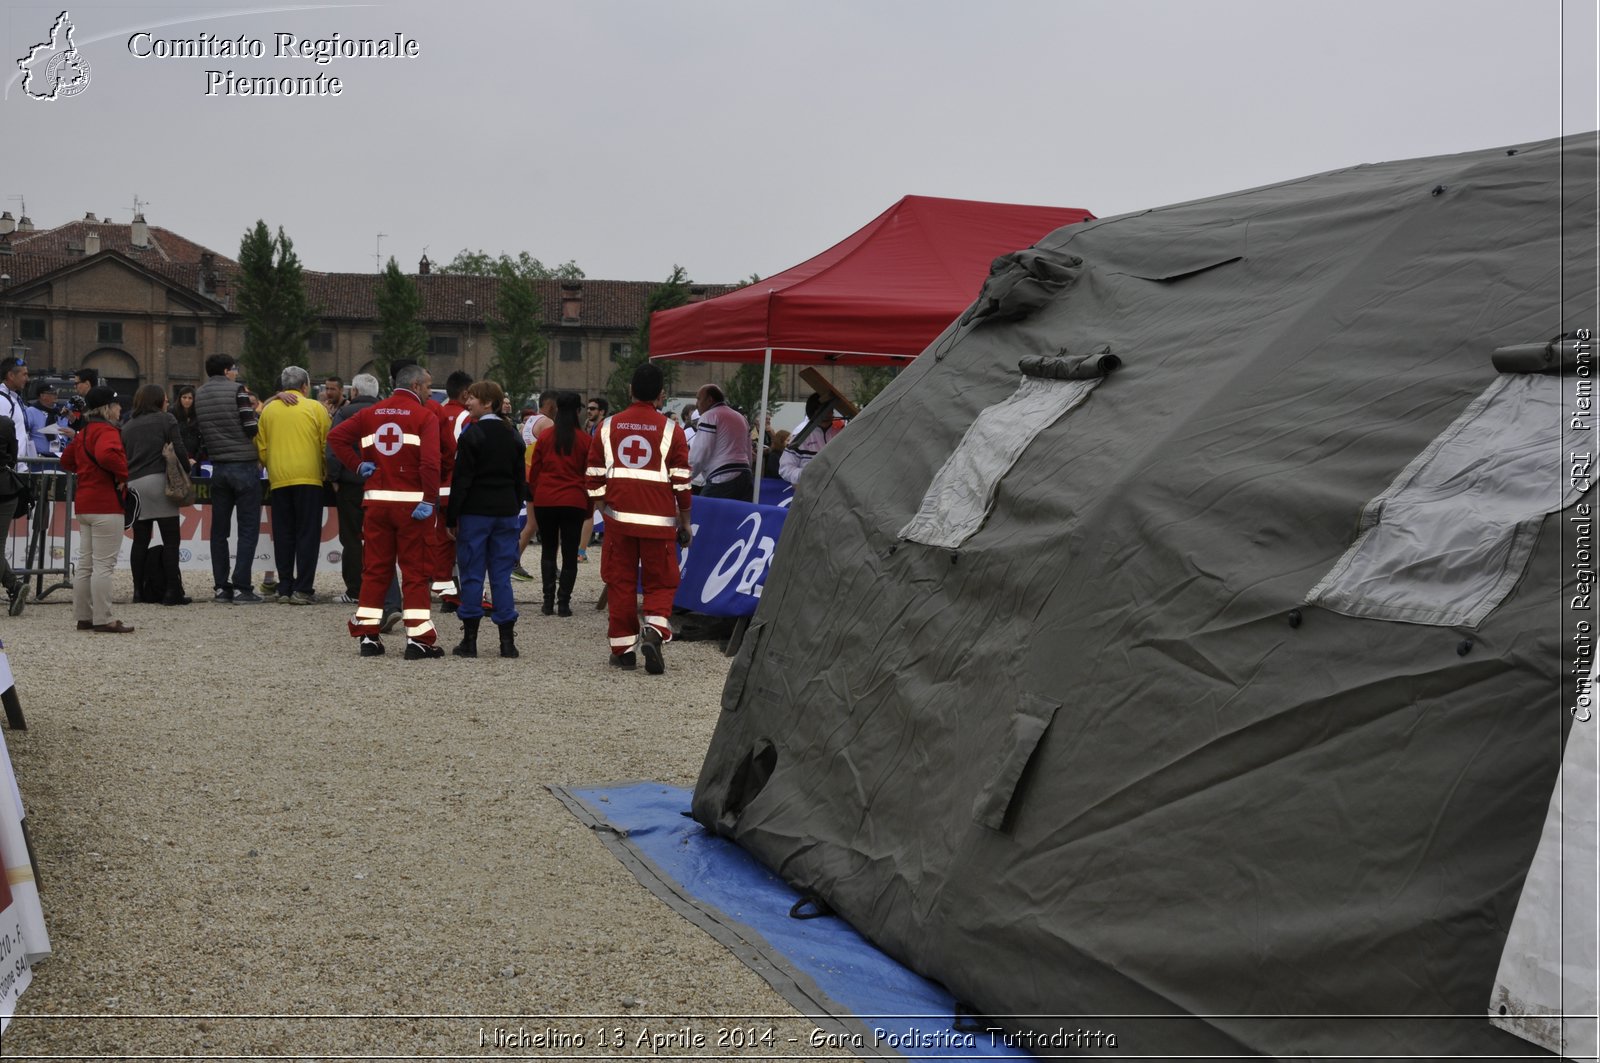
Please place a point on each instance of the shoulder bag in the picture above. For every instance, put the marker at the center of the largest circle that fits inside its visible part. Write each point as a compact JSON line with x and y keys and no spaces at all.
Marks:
{"x":180,"y":488}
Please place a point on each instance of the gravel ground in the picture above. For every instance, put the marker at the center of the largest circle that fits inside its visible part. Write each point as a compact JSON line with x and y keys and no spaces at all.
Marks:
{"x":253,"y":842}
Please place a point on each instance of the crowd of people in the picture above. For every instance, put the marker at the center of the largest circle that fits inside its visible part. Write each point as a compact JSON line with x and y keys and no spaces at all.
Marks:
{"x":435,"y":500}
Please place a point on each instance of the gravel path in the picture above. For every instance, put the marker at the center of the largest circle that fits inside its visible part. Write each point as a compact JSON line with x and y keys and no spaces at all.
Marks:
{"x":253,"y":842}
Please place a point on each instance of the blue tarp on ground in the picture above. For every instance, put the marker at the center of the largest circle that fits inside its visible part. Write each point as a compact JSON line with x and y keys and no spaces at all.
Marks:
{"x":821,"y":965}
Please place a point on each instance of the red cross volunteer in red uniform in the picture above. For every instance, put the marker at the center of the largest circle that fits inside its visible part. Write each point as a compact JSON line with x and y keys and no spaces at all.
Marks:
{"x":639,"y":480}
{"x":395,"y":445}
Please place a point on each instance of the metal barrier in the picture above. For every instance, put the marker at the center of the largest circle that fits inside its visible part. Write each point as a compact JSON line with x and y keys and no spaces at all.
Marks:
{"x":53,"y":493}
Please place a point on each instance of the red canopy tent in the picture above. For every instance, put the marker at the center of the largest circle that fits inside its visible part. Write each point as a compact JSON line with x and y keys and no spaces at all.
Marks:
{"x":877,"y":297}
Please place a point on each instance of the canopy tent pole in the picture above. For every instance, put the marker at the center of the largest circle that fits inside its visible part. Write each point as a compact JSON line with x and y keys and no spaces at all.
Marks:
{"x":761,"y":435}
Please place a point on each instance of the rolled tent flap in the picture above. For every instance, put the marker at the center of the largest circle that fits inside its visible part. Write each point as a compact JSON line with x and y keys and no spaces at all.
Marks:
{"x":1559,"y":355}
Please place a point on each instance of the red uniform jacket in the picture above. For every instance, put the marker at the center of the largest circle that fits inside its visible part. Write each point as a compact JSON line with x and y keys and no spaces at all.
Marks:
{"x":402,"y":438}
{"x":639,"y":472}
{"x":559,"y":479}
{"x":96,"y":455}
{"x":447,"y":441}
{"x":457,"y":416}
{"x":452,"y":419}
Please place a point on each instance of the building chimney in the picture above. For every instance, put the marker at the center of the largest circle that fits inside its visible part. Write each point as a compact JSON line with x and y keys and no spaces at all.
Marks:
{"x":208,"y":273}
{"x":25,"y":224}
{"x":697,"y":293}
{"x":139,"y":237}
{"x":7,"y":223}
{"x":424,"y":266}
{"x":89,"y":216}
{"x":91,"y":243}
{"x":571,"y":300}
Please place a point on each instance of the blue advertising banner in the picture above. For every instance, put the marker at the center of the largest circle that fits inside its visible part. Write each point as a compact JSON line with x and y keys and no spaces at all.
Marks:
{"x":776,"y":492}
{"x":726,"y":566}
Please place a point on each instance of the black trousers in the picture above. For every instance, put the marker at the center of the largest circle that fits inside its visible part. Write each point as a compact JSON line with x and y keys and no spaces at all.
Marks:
{"x":348,"y":501}
{"x":296,"y":536}
{"x":738,"y":488}
{"x":563,"y":525}
{"x":169,"y":554}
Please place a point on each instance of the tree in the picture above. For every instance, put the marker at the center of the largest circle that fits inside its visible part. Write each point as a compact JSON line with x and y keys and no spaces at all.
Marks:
{"x":871,"y":380}
{"x":401,"y":333}
{"x":744,"y":390}
{"x":479,"y":264}
{"x":744,"y":386}
{"x":518,"y":332}
{"x":674,"y":291}
{"x":272,"y":301}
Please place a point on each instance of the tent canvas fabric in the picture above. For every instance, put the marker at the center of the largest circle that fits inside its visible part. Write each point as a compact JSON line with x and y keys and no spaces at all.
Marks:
{"x":877,"y":297}
{"x":1104,"y":757}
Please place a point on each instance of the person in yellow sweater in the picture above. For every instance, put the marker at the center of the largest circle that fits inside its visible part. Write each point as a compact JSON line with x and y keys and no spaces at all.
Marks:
{"x":292,"y":440}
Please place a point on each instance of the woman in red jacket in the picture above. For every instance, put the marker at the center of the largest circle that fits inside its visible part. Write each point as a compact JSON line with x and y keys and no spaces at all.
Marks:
{"x":560,"y":499}
{"x":96,"y":455}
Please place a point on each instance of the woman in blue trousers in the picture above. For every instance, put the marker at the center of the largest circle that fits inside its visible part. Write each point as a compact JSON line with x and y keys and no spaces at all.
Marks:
{"x":487,"y":493}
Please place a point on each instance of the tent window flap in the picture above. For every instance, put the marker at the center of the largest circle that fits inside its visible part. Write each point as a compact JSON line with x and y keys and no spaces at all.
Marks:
{"x":1450,"y":537}
{"x":963,"y":491}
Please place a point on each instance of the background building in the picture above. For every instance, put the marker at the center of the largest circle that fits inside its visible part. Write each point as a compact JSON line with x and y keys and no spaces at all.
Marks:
{"x":142,"y":304}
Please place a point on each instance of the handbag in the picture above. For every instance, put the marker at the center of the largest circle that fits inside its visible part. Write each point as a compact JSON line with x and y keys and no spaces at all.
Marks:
{"x":130,"y":505}
{"x":180,"y":488}
{"x":15,"y":486}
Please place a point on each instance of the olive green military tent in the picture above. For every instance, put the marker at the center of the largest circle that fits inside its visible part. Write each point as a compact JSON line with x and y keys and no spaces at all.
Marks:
{"x":1190,"y":638}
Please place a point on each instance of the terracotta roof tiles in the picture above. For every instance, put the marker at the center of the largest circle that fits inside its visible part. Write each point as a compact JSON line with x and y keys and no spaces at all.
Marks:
{"x":165,"y":245}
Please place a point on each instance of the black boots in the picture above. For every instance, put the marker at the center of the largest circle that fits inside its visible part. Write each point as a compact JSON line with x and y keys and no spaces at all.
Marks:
{"x":469,"y":638}
{"x":650,"y":648}
{"x":549,"y":607}
{"x":468,"y":646}
{"x":421,"y":651}
{"x":564,"y":606}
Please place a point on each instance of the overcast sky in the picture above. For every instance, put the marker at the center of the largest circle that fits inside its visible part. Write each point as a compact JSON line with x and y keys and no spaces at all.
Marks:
{"x":740,"y":136}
